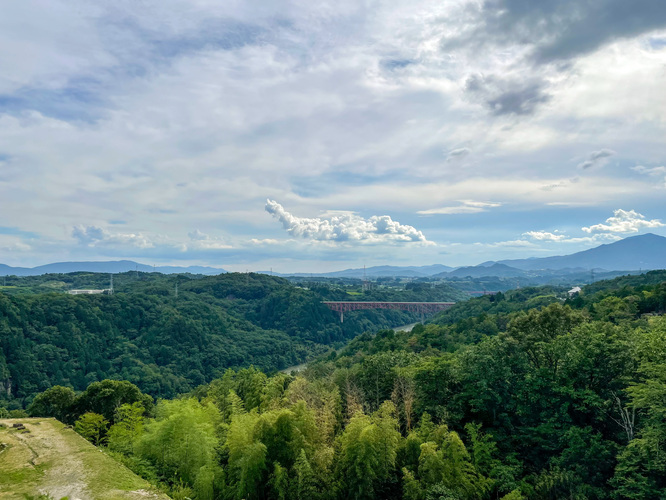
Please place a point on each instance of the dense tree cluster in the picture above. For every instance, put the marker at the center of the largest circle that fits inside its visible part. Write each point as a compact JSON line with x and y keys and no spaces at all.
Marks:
{"x":166,"y":344}
{"x":522,"y":396}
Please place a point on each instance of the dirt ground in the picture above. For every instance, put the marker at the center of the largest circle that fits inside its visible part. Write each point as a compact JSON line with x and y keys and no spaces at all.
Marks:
{"x":53,"y":460}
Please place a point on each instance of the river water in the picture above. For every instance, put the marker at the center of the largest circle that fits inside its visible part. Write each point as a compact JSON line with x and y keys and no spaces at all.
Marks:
{"x":405,"y":328}
{"x":301,"y":367}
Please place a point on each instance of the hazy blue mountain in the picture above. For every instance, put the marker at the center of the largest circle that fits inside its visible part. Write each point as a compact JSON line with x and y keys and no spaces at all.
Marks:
{"x":496,"y":269}
{"x":6,"y":270}
{"x":646,"y":251}
{"x":119,"y":266}
{"x":380,"y":272}
{"x":190,"y":269}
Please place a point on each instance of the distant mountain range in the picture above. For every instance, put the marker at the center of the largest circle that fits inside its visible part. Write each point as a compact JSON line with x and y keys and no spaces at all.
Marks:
{"x":380,"y":272}
{"x":643,"y":252}
{"x":494,"y":269}
{"x":118,"y":266}
{"x":646,"y":252}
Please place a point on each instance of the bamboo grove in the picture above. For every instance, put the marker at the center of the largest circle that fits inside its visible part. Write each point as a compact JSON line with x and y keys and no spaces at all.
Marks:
{"x":518,"y":395}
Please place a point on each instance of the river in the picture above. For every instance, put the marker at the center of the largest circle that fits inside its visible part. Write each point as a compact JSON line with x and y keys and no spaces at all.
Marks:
{"x":405,"y":328}
{"x":303,"y":366}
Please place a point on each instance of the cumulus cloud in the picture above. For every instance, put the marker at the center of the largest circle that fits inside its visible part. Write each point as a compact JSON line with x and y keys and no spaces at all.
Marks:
{"x":346,"y":227}
{"x":625,"y":221}
{"x":96,"y":236}
{"x":369,"y":96}
{"x":466,"y":207}
{"x":596,"y":158}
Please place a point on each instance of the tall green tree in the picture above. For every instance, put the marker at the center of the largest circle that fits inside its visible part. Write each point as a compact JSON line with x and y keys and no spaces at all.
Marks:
{"x":128,"y":429}
{"x":57,"y":402}
{"x":182,"y":439}
{"x":92,"y":426}
{"x":368,"y":449}
{"x":107,"y":396}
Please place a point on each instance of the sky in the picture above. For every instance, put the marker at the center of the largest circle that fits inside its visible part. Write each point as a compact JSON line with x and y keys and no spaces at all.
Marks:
{"x":320,"y":135}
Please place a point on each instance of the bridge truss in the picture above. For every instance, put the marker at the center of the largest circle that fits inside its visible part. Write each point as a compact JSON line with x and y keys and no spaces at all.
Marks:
{"x":418,"y":307}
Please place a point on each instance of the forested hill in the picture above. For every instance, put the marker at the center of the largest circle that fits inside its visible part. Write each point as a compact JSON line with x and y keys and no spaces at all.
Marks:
{"x":167,"y":334}
{"x":530,"y":394}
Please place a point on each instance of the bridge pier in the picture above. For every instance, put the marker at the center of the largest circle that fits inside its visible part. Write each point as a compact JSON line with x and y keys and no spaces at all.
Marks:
{"x":417,"y":307}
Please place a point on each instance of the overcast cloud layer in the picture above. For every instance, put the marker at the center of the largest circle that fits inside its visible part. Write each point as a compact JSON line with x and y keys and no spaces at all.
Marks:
{"x":393,"y":132}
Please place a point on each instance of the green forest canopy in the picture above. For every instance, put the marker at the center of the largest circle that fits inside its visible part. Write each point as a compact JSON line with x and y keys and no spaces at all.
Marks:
{"x":523,"y":396}
{"x":168,"y":344}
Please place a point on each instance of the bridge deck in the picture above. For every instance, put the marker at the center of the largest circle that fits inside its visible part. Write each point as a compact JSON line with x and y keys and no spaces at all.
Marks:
{"x":418,"y":307}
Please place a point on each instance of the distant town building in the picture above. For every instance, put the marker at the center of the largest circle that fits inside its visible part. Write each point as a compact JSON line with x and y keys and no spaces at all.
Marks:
{"x":574,"y":291}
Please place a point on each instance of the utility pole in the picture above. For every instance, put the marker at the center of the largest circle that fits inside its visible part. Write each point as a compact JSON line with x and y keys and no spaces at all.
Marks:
{"x":110,"y":284}
{"x":365,"y":285}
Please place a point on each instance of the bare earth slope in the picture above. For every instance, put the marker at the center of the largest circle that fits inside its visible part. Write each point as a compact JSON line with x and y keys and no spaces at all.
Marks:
{"x":54,"y":460}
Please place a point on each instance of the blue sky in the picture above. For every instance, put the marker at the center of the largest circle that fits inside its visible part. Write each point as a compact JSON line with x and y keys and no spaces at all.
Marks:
{"x":313,"y":136}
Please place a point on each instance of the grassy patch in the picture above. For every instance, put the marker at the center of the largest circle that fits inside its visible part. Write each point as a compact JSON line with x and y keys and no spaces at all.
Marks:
{"x":18,"y":474}
{"x":51,"y":458}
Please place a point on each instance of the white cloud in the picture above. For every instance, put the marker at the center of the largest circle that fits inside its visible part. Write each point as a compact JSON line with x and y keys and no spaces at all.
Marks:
{"x":545,"y":236}
{"x":93,"y":236}
{"x":17,"y":246}
{"x":346,"y":227}
{"x":467,"y":207}
{"x":625,"y":221}
{"x":563,"y":238}
{"x":144,"y":113}
{"x":264,"y":241}
{"x":456,"y":154}
{"x":596,"y":158}
{"x":652,"y":172}
{"x":509,"y":244}
{"x":203,"y":241}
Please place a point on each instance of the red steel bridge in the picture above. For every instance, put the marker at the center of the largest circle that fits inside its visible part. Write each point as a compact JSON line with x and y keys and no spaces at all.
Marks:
{"x":417,"y":307}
